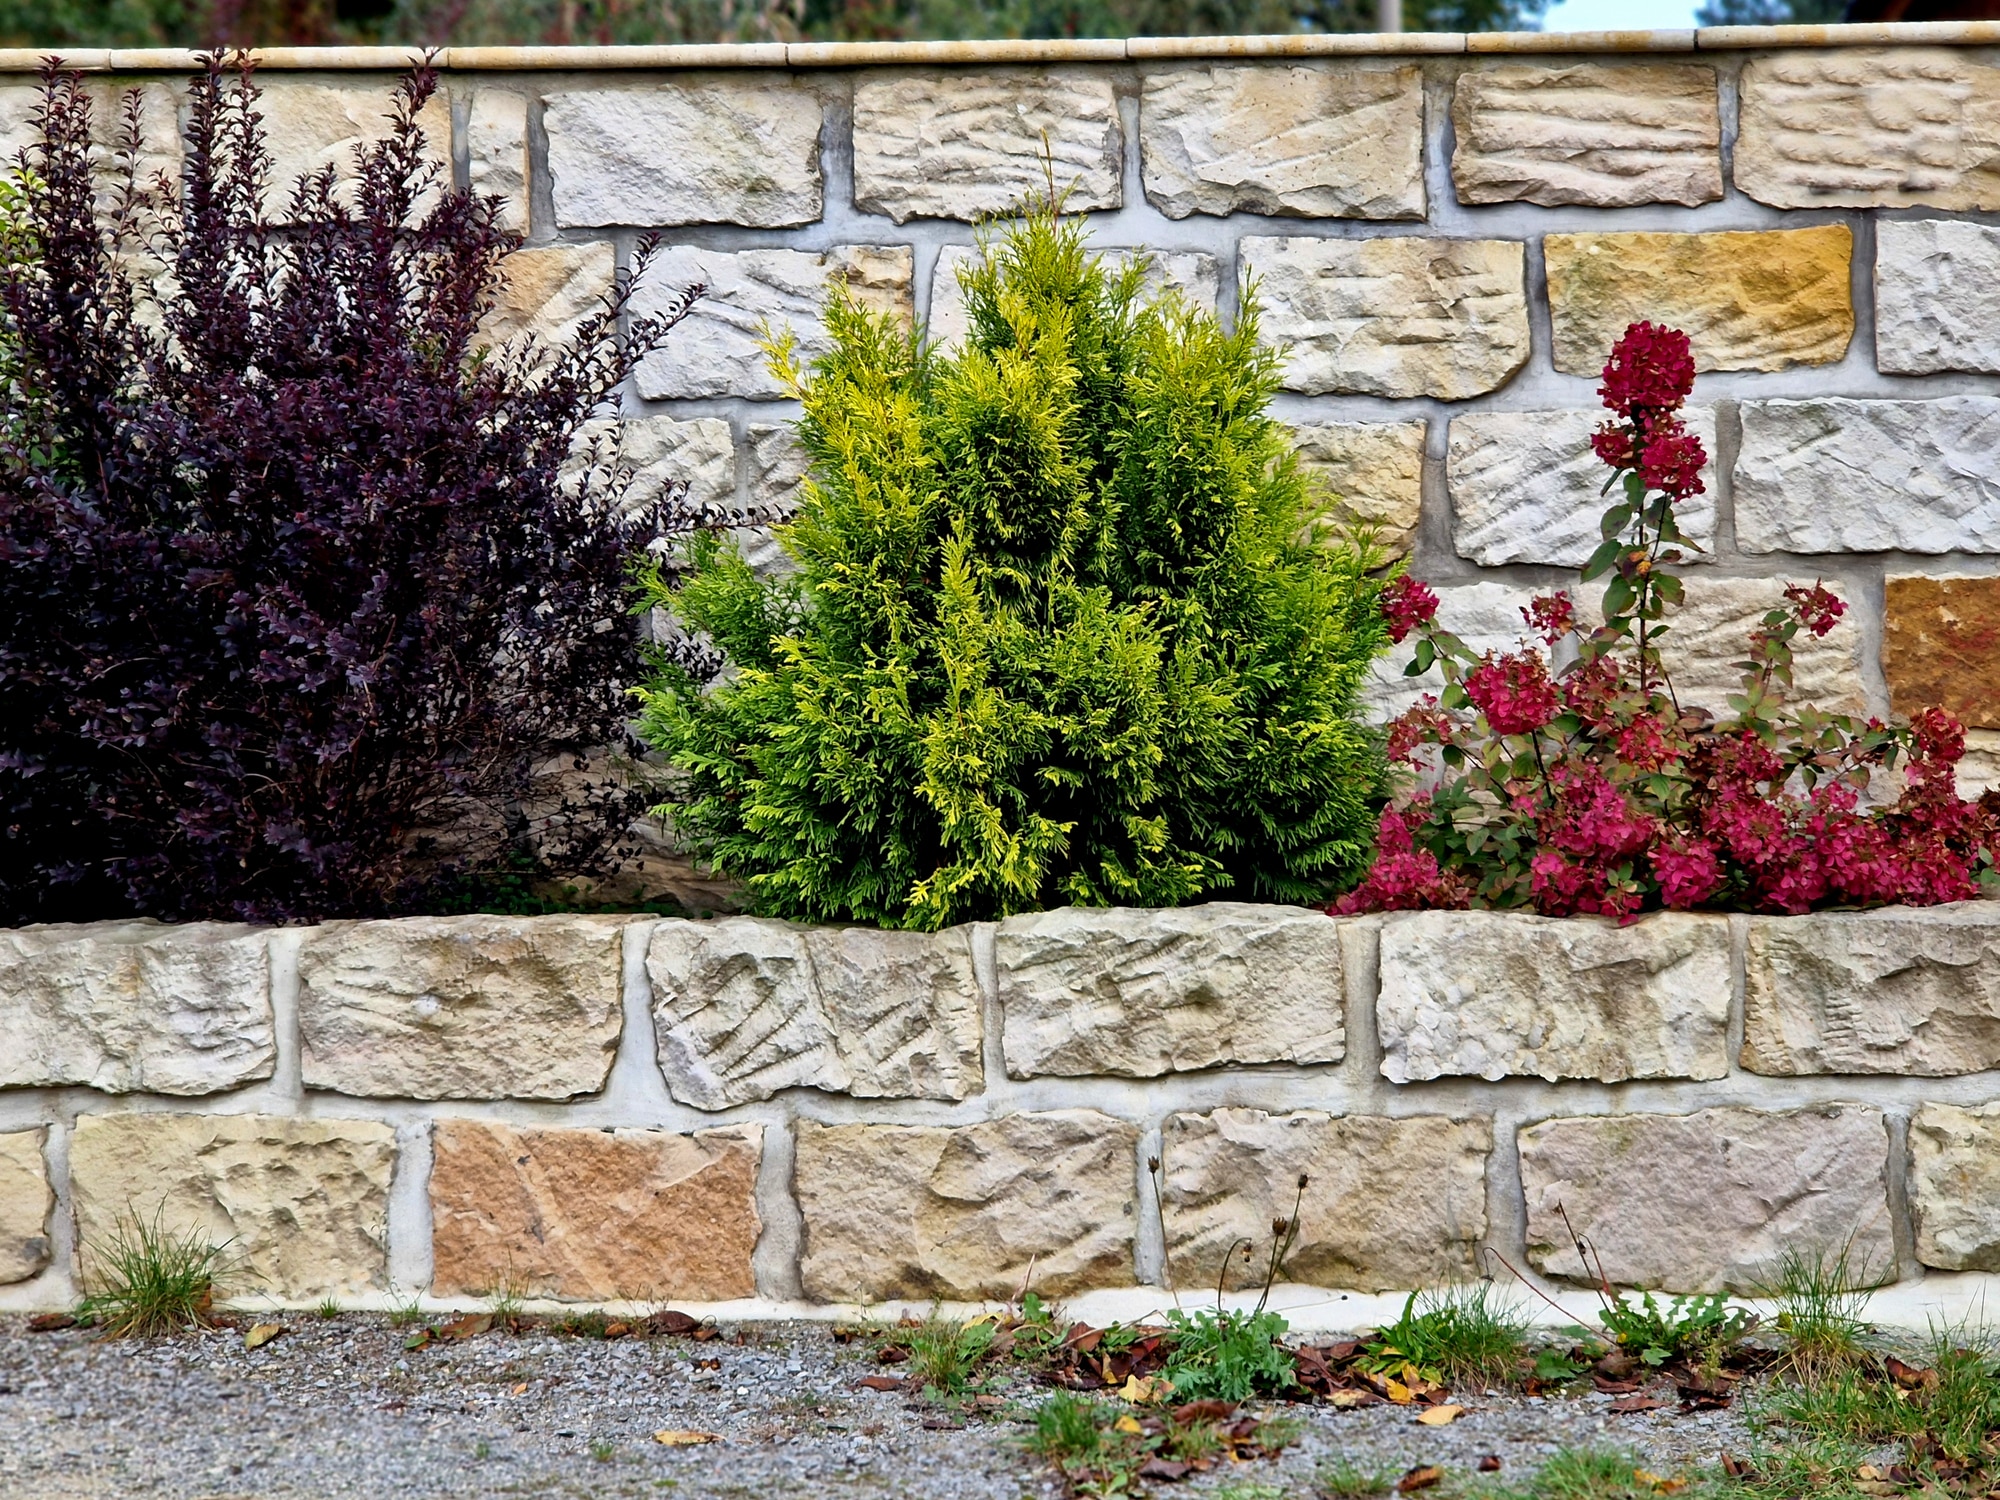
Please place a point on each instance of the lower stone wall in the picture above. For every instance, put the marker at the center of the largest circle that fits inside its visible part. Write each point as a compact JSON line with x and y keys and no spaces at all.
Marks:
{"x":746,"y":1113}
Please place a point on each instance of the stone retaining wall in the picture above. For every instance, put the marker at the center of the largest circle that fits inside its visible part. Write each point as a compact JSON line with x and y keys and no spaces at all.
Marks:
{"x":741,"y":1111}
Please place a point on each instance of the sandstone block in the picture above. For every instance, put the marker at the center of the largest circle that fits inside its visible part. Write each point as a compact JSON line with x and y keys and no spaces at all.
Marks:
{"x":594,"y":1215}
{"x":480,"y":1007}
{"x":496,"y":150}
{"x":1940,"y":648}
{"x":1394,"y":316}
{"x":778,"y":465}
{"x":135,"y":1007}
{"x":1897,"y":991}
{"x":1756,"y":300}
{"x":687,"y":149}
{"x":311,"y":126}
{"x":1605,"y":137}
{"x":1507,"y":994}
{"x":1389,"y":1203}
{"x":547,"y":292}
{"x":1862,"y":128}
{"x":1709,"y":1201}
{"x":1979,"y":769}
{"x":1711,"y":633}
{"x":961,"y":1212}
{"x":1526,"y":487}
{"x":1371,"y":474}
{"x":159,"y":128}
{"x":1190,"y":272}
{"x":1937,"y":296}
{"x":747,"y":1007}
{"x":302,"y":1206}
{"x":662,"y":452}
{"x":1088,"y":990}
{"x":964,"y":145}
{"x":1486,"y":616}
{"x":718,"y":349}
{"x":25,"y":1202}
{"x":1954,"y":1185}
{"x":1835,"y":475}
{"x":1313,"y":141}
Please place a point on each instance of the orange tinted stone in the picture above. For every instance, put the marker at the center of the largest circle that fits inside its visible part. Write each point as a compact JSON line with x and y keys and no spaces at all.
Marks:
{"x":1941,"y":647}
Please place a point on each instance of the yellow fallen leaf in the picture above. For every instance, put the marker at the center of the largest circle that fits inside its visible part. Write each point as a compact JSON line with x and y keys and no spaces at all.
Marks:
{"x":1439,"y":1416}
{"x":521,"y":1389}
{"x":1127,"y":1423}
{"x":1142,"y":1390}
{"x":1869,"y":1471}
{"x":1347,"y":1400}
{"x":1658,"y":1482}
{"x":1396,"y":1391}
{"x":262,"y":1334}
{"x":677,"y":1437}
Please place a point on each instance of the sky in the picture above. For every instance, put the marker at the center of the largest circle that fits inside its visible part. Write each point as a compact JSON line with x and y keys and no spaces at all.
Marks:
{"x":1617,"y":15}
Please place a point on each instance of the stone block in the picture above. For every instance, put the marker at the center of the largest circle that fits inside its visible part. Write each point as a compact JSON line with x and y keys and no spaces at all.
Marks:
{"x":300,"y":1207}
{"x":1507,"y":994}
{"x":1605,"y":137}
{"x":1709,"y":1201}
{"x":1094,"y":990}
{"x":1394,"y":316}
{"x":747,"y":1007}
{"x":1390,"y":1203}
{"x":309,"y":127}
{"x":480,"y":1007}
{"x":159,"y":128}
{"x":1941,"y":646}
{"x":1754,"y":300}
{"x":1979,"y":769}
{"x":1937,"y":296}
{"x":1710,"y":634}
{"x":778,"y":465}
{"x":547,"y":292}
{"x":594,"y":1215}
{"x":718,"y":349}
{"x":737,"y":148}
{"x":1314,"y":141}
{"x":1192,"y":273}
{"x":1526,"y":487}
{"x":25,"y":1204}
{"x":962,"y":1212}
{"x":496,"y":152}
{"x":1369,"y":474}
{"x":135,"y":1007}
{"x":1861,"y":128}
{"x":1901,"y":991}
{"x":1837,"y":475}
{"x":1954,"y":1186}
{"x":699,"y":453}
{"x":954,"y":145}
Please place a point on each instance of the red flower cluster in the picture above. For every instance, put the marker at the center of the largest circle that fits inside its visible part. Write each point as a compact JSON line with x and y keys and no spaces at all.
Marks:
{"x":1818,"y":609}
{"x":1407,"y":605}
{"x":1513,"y":691}
{"x":1404,"y":877}
{"x":1651,"y":370}
{"x":1550,"y":616}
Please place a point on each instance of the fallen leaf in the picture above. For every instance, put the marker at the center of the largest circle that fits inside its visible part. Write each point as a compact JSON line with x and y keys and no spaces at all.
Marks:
{"x":1209,"y":1409}
{"x":421,"y":1339}
{"x":681,"y":1437}
{"x":617,"y":1330}
{"x":1127,"y":1423}
{"x":521,"y":1389}
{"x":1396,"y":1391}
{"x":1659,"y":1483}
{"x":942,"y":1424}
{"x":1420,"y":1478}
{"x":1441,"y":1416}
{"x":1869,"y":1471}
{"x":1084,"y":1339}
{"x":708,"y":1364}
{"x":1143,"y":1390}
{"x":880,"y":1383}
{"x":667,"y":1320}
{"x":1636,"y":1403}
{"x":1489,"y":1463}
{"x":891,"y":1354}
{"x":1909,"y":1377}
{"x":468,"y":1327}
{"x":1164,"y":1468}
{"x":262,"y":1334}
{"x":1348,"y":1400}
{"x":50,"y":1322}
{"x":1735,"y":1468}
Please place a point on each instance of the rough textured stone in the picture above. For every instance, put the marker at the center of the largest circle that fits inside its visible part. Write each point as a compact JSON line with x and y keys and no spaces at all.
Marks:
{"x":1754,"y":300}
{"x":747,"y":1007}
{"x":477,"y":1007}
{"x":778,"y":463}
{"x":1834,"y":475}
{"x":699,"y":453}
{"x":135,"y":1007}
{"x":1864,"y":128}
{"x":1954,"y":1185}
{"x":1708,"y":1201}
{"x":594,"y":1215}
{"x":1941,"y":646}
{"x":549,"y":290}
{"x":1979,"y":769}
{"x":1190,"y":272}
{"x":1389,"y":1203}
{"x":1601,"y":136}
{"x":1937,"y":296}
{"x":962,"y":1212}
{"x":496,"y":151}
{"x":25,"y":1202}
{"x":159,"y":127}
{"x":718,"y":349}
{"x":1711,"y":633}
{"x":728,"y":149}
{"x":1897,"y":991}
{"x":1088,"y":990}
{"x":1526,"y":487}
{"x":1486,"y":616}
{"x":1315,"y":141}
{"x":311,"y":126}
{"x":1393,"y":316}
{"x":1372,"y":474}
{"x":301,"y":1206}
{"x":1507,"y":994}
{"x":964,"y":145}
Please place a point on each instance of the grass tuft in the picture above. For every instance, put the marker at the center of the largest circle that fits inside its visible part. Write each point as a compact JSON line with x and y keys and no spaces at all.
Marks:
{"x":1461,"y":1335}
{"x":1821,"y":1299}
{"x":1343,"y":1480}
{"x":152,"y":1281}
{"x":945,"y":1352}
{"x":328,"y":1308}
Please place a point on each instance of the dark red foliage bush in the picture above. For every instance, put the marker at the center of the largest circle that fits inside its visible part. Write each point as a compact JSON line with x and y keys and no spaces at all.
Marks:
{"x":291,"y":570}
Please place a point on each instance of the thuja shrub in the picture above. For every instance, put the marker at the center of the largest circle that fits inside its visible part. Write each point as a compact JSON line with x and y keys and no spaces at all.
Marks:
{"x":1061,"y":628}
{"x":291,"y":568}
{"x":1595,"y":789}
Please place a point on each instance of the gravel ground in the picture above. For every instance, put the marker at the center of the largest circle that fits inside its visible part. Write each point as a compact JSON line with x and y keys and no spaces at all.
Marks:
{"x":338,"y":1407}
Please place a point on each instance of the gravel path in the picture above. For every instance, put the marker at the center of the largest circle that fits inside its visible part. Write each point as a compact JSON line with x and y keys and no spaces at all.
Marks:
{"x":338,"y":1407}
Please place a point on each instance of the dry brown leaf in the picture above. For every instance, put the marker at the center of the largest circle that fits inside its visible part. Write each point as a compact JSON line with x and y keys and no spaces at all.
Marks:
{"x":521,"y":1389}
{"x":1420,"y":1478}
{"x":50,"y":1322}
{"x":262,"y":1334}
{"x":468,"y":1327}
{"x":1659,"y":1483}
{"x":1441,"y":1416}
{"x":1348,"y":1400}
{"x":681,"y":1437}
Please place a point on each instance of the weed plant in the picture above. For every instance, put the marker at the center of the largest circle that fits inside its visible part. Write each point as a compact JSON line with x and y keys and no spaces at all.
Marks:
{"x":944,"y":1353}
{"x":328,"y":1309}
{"x":1457,"y":1335}
{"x":1342,"y":1479}
{"x":1228,"y":1355}
{"x":1821,"y":1299}
{"x":1587,"y":1474}
{"x":151,"y":1280}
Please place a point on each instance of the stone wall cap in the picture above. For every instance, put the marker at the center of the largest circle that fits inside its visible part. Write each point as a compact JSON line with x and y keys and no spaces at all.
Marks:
{"x":1681,"y":39}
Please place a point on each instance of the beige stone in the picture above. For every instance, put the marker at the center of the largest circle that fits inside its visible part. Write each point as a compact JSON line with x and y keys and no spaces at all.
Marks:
{"x":1389,"y":1203}
{"x":309,"y":127}
{"x":25,"y":1203}
{"x":1371,"y":476}
{"x":1979,"y":770}
{"x":594,"y":1215}
{"x":1393,"y":316}
{"x":135,"y":1007}
{"x":1317,"y":141}
{"x":547,"y":292}
{"x":1605,"y":137}
{"x":1709,"y":1201}
{"x":480,"y":1007}
{"x":746,"y":1008}
{"x":1710,"y":634}
{"x":1954,"y":1185}
{"x":1937,"y":296}
{"x":496,"y":150}
{"x":1754,"y":300}
{"x":699,"y":453}
{"x":962,"y":1212}
{"x":1191,"y":273}
{"x":300,"y":1207}
{"x":728,"y":148}
{"x":778,"y":465}
{"x":1898,"y":991}
{"x":1508,"y":994}
{"x":951,"y":145}
{"x":160,"y":152}
{"x":1862,"y":128}
{"x":1137,"y":993}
